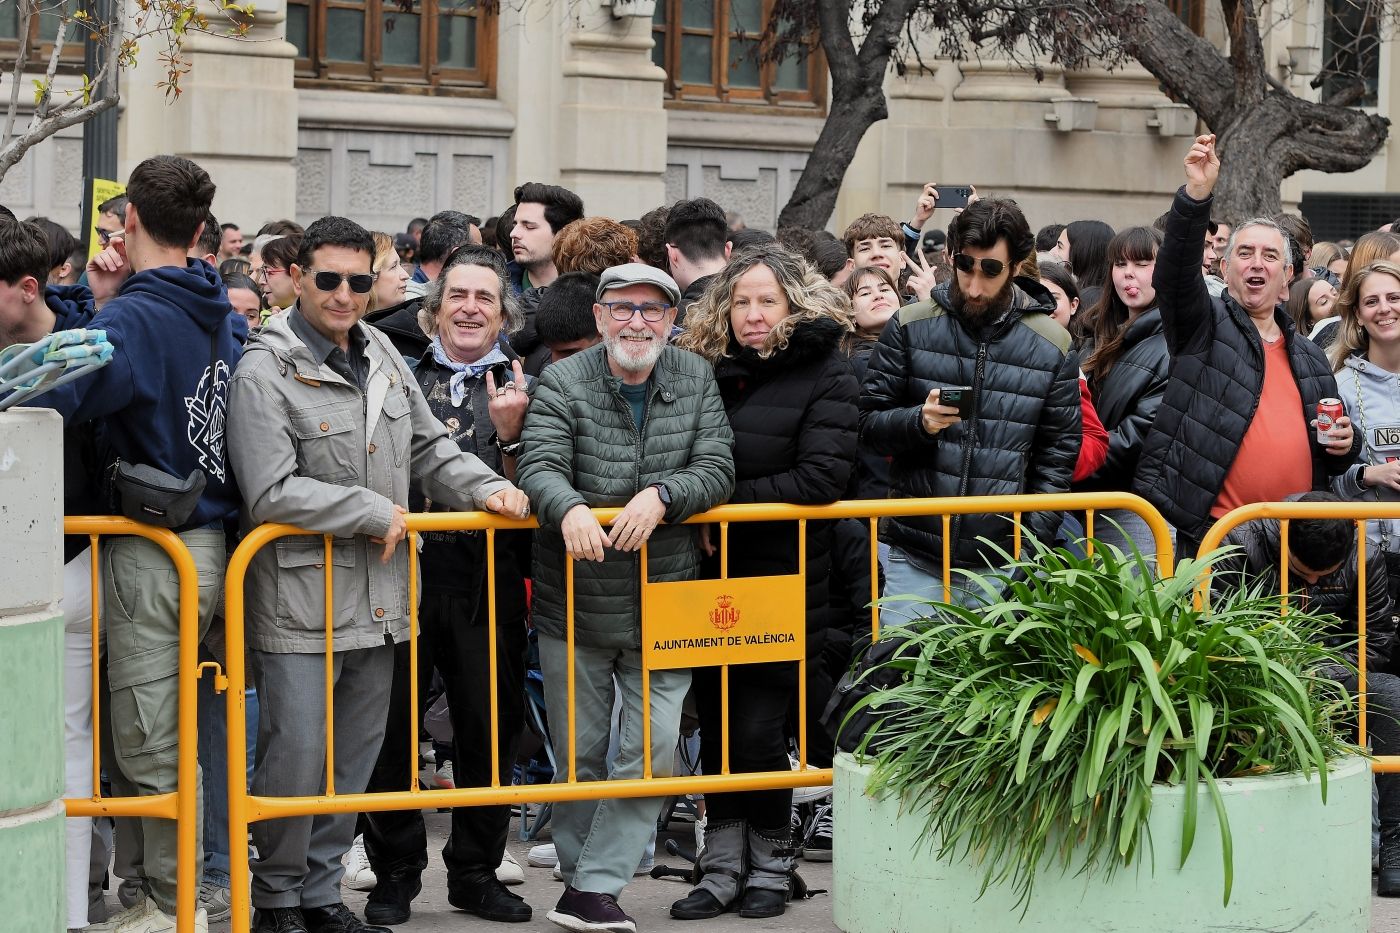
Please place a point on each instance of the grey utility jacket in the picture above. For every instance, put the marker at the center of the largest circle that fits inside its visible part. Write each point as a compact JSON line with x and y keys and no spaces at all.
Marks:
{"x":310,"y":449}
{"x":582,"y":447}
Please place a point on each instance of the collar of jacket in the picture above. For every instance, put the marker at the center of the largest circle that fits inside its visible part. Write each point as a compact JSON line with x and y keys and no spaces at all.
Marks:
{"x":810,"y":340}
{"x":596,"y":358}
{"x":1246,"y":323}
{"x":1027,"y":297}
{"x":1147,"y":324}
{"x":278,"y":338}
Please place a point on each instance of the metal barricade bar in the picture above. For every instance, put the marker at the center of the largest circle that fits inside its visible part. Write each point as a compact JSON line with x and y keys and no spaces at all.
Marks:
{"x":180,"y":805}
{"x":245,"y":809}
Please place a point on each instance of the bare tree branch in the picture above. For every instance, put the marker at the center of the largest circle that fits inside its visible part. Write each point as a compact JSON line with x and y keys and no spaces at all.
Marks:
{"x":46,"y":94}
{"x":21,"y":60}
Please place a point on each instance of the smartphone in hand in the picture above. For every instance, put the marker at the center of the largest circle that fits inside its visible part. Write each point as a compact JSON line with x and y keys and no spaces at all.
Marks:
{"x":953,"y":195}
{"x":959,"y":397}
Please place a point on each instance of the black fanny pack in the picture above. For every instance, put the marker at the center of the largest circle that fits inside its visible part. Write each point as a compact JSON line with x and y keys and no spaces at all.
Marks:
{"x":144,"y":494}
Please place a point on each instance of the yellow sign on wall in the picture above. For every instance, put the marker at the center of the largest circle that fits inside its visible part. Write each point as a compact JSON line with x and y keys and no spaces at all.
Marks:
{"x":103,"y":190}
{"x":705,"y":623}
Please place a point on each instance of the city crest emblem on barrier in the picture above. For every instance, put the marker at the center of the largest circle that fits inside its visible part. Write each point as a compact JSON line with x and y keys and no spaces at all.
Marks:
{"x":725,"y":615}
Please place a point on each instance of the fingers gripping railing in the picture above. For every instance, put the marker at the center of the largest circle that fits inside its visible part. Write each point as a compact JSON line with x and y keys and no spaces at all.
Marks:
{"x":181,"y":804}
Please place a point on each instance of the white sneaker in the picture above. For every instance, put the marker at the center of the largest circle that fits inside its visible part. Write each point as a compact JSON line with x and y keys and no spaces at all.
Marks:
{"x":557,"y":873}
{"x":801,"y":795}
{"x":543,"y":856}
{"x":509,"y":871}
{"x":146,"y":917}
{"x":358,"y":875}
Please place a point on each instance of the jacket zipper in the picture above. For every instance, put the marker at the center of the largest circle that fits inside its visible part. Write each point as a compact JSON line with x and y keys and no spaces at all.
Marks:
{"x":969,"y":438}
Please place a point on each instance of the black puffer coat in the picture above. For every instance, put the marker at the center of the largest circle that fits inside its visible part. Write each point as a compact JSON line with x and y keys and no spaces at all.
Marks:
{"x":794,"y":420}
{"x":1335,"y":593}
{"x":871,"y":477}
{"x":400,"y":325}
{"x":1216,"y":378}
{"x":1023,"y":438}
{"x":1127,"y":399}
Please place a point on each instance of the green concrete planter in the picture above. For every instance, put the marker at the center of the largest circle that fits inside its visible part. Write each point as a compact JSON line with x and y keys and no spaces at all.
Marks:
{"x":1299,"y":865}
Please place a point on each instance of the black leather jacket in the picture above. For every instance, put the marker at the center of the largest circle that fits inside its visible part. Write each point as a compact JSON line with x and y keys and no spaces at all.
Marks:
{"x":1127,"y":398}
{"x":1335,"y":593}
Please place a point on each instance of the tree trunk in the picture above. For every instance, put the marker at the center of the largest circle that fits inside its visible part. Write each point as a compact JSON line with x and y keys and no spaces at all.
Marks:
{"x":1263,"y":145}
{"x":814,"y":198}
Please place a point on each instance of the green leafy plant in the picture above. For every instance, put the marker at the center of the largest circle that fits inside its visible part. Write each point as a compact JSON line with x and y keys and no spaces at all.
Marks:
{"x":1032,"y":729}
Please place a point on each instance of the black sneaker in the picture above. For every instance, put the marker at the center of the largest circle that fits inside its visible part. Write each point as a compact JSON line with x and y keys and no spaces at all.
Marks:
{"x":336,"y":918}
{"x":278,"y":920}
{"x":486,"y":897}
{"x":389,"y":901}
{"x":589,"y":912}
{"x":817,"y":846}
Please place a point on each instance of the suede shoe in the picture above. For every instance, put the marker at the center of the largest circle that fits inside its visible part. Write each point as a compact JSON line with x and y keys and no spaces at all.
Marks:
{"x":278,"y":920}
{"x":590,"y":912}
{"x":488,"y":899}
{"x":389,"y":901}
{"x":697,"y":905}
{"x":336,"y":918}
{"x":760,"y":902}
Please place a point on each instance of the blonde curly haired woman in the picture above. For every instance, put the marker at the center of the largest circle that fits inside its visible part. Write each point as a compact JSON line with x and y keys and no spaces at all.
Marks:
{"x":773,"y":328}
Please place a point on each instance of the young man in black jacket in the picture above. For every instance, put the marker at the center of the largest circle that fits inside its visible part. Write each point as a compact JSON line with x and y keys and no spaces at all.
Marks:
{"x":1019,"y":431}
{"x":1234,"y":426}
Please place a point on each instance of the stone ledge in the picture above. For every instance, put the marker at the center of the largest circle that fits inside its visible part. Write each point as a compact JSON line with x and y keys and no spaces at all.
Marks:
{"x":741,"y":130}
{"x":352,"y":110}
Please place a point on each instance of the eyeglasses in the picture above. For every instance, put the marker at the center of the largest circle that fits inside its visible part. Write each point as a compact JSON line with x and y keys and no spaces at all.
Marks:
{"x":106,"y":236}
{"x":991,"y":268}
{"x":360,"y":283}
{"x":652,"y":311}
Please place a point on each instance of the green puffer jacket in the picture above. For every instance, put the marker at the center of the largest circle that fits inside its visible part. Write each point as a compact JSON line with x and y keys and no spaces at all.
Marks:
{"x":582,"y":448}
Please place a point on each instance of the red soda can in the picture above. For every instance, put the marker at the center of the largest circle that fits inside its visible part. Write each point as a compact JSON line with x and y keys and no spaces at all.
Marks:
{"x":1328,"y":411}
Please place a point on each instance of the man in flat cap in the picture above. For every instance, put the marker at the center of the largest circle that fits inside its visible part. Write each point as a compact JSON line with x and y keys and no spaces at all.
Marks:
{"x":636,"y":424}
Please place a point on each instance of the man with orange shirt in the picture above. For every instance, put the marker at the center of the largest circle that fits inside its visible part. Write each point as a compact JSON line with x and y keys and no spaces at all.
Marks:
{"x":1235,"y":425}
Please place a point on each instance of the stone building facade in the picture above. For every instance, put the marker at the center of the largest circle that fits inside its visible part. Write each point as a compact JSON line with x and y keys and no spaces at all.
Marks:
{"x":358,"y":107}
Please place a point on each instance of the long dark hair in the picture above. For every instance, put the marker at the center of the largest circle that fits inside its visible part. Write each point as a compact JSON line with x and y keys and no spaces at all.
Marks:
{"x":1107,"y":322}
{"x":1088,"y":251}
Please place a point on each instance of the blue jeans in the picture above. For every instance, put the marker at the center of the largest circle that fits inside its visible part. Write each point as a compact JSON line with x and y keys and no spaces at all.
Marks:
{"x":903,"y":577}
{"x":213,"y":755}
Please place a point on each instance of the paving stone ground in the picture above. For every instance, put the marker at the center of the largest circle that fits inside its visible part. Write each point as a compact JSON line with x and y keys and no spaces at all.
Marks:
{"x":648,"y":899}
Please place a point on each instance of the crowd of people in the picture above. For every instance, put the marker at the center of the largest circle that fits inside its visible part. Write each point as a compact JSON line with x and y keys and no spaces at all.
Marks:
{"x":546,"y":362}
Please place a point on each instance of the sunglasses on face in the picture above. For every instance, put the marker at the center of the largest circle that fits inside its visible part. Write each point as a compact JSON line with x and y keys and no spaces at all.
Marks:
{"x":652,"y":311}
{"x":360,"y":282}
{"x":991,"y":268}
{"x":106,"y":236}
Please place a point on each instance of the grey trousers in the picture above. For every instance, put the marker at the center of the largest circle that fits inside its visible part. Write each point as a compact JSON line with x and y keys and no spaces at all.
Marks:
{"x":600,"y":842}
{"x":142,"y":626}
{"x":299,"y":857}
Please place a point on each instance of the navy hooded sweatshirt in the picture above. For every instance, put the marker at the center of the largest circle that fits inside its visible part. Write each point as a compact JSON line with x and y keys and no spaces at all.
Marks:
{"x":158,"y":401}
{"x":82,"y":460}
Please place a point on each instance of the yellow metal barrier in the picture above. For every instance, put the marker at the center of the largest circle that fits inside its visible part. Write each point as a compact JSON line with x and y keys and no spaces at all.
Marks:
{"x":245,"y":809}
{"x":180,"y":805}
{"x":1283,"y":512}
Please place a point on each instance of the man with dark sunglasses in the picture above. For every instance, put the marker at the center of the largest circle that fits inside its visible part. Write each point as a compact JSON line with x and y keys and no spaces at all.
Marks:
{"x":1016,"y":425}
{"x":327,"y":429}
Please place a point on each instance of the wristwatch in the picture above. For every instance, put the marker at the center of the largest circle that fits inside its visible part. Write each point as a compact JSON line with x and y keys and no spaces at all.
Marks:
{"x":663,"y":493}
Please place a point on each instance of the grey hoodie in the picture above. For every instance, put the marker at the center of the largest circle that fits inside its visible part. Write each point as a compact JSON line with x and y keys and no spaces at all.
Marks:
{"x":1372,"y":399}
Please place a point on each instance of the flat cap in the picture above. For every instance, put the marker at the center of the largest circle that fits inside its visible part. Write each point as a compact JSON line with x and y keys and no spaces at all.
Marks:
{"x":638,"y":273}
